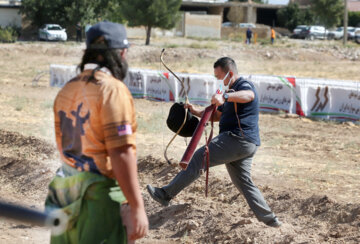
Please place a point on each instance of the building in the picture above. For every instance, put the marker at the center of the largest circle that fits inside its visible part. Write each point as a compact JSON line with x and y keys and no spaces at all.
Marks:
{"x":353,"y":6}
{"x":9,"y":13}
{"x":218,"y":12}
{"x":238,"y":12}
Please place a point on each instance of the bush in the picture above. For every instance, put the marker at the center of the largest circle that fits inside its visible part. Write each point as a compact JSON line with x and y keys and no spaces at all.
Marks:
{"x":292,"y":15}
{"x":8,"y":34}
{"x":354,"y":19}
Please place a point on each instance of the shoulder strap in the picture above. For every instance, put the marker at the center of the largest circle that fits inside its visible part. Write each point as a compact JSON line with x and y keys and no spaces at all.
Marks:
{"x":237,"y":117}
{"x":206,"y":162}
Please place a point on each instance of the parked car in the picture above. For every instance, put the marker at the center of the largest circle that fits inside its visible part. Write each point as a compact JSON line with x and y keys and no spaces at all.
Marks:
{"x":297,"y":30}
{"x":336,"y":34}
{"x":228,"y":24}
{"x":339,"y":33}
{"x":351,"y":33}
{"x":240,"y":25}
{"x":357,"y":36}
{"x":52,"y":32}
{"x":314,"y":32}
{"x":247,"y":25}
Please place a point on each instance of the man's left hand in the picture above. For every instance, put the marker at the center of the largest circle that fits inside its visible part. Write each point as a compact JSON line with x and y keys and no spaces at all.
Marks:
{"x":217,"y":99}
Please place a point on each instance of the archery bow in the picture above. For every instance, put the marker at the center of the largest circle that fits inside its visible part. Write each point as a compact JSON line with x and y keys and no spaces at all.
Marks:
{"x":186,"y":102}
{"x":209,"y":112}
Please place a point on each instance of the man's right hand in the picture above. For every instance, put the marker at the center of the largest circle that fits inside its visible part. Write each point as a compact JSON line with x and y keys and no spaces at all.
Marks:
{"x":123,"y":161}
{"x":140,"y":224}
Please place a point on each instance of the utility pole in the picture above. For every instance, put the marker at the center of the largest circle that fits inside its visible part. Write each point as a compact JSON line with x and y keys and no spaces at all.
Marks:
{"x":345,"y":23}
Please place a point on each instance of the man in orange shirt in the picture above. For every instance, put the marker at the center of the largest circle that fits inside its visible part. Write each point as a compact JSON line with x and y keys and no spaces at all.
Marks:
{"x":95,"y":131}
{"x":272,"y":35}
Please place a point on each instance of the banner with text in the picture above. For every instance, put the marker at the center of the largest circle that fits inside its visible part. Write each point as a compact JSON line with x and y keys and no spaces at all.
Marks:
{"x":317,"y":98}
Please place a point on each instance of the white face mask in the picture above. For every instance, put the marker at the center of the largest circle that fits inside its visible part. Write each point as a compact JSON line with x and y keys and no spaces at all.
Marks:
{"x":224,"y":88}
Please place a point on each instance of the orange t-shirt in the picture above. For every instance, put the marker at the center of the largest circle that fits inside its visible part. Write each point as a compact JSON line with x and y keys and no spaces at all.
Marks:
{"x":91,"y":117}
{"x":272,"y":33}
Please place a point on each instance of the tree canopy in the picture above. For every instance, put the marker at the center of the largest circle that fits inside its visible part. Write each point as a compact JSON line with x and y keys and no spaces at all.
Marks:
{"x":354,"y":19}
{"x":328,"y":12}
{"x":68,"y":12}
{"x":151,"y":13}
{"x":292,"y":16}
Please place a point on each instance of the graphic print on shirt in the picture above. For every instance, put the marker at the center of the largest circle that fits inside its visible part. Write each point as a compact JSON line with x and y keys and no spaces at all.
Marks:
{"x":71,"y":140}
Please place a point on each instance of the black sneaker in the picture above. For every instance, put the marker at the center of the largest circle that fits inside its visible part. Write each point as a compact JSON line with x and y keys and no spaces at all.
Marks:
{"x":274,"y":223}
{"x":158,"y":195}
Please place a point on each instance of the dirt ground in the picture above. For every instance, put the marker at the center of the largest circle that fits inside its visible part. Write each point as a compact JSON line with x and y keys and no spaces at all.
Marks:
{"x":307,"y":170}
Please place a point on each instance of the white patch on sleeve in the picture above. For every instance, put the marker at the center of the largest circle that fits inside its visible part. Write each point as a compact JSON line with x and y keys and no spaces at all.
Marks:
{"x":124,"y":130}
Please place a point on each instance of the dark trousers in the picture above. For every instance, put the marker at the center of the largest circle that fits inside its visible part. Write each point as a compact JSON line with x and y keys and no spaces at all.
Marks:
{"x":78,"y":36}
{"x":237,"y":154}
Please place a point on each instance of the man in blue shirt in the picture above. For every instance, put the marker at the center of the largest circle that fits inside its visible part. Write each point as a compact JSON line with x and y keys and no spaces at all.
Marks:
{"x":235,"y":146}
{"x":248,"y":35}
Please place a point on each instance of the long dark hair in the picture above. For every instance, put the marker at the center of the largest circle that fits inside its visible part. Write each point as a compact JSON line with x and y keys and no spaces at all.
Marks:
{"x":110,"y":58}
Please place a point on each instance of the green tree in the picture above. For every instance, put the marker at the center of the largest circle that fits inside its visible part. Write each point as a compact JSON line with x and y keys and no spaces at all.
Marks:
{"x":307,"y":16}
{"x":151,"y":13}
{"x":41,"y":11}
{"x":66,"y":12}
{"x":112,"y":12}
{"x":329,"y":12}
{"x":292,"y":16}
{"x":354,"y":19}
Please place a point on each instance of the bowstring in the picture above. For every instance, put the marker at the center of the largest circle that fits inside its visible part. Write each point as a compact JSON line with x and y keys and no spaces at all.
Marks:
{"x":162,"y":109}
